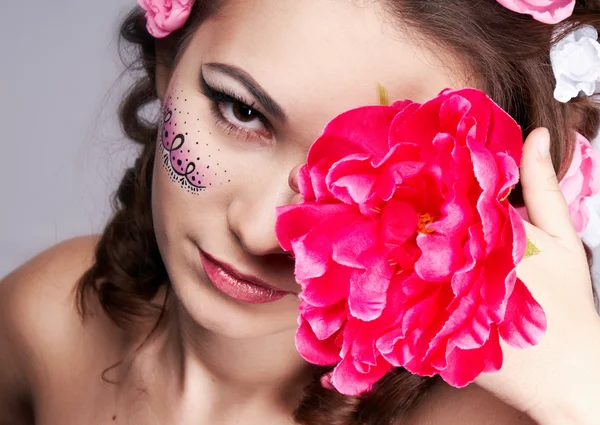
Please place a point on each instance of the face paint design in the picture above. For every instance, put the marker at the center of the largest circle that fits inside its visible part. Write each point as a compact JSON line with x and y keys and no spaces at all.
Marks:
{"x":180,"y":153}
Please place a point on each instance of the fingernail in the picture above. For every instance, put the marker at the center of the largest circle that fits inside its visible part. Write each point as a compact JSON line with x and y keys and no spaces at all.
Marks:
{"x":544,"y":144}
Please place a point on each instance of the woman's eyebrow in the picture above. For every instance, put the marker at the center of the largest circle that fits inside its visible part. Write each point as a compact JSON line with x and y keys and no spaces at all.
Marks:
{"x":269,"y":104}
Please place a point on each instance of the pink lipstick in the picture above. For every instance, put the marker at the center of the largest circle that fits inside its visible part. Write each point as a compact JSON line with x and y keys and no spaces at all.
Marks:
{"x":246,"y":289}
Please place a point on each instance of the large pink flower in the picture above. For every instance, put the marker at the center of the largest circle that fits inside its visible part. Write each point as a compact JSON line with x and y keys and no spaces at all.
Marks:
{"x":406,"y":245}
{"x":546,"y":11}
{"x":165,"y":16}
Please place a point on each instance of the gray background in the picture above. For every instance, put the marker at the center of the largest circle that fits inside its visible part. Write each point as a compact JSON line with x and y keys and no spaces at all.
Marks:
{"x":62,"y":149}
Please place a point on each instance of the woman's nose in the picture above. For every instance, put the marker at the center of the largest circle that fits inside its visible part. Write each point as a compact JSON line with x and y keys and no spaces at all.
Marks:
{"x":252,"y":215}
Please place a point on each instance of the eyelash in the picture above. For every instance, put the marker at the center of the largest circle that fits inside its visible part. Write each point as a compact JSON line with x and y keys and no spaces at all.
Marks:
{"x":222,"y":96}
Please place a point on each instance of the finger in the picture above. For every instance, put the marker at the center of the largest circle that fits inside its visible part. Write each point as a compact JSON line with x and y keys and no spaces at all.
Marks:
{"x":545,"y":203}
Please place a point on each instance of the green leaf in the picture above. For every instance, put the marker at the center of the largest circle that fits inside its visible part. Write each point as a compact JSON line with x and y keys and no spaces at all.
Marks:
{"x":531,"y":249}
{"x":384,"y":99}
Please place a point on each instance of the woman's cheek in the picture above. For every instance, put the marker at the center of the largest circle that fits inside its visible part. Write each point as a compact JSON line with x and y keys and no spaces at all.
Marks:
{"x":188,"y":155}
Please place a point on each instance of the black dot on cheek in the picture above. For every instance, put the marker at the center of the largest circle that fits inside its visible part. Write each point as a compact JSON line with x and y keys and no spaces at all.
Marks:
{"x":208,"y":166}
{"x":179,"y":162}
{"x":194,"y":178}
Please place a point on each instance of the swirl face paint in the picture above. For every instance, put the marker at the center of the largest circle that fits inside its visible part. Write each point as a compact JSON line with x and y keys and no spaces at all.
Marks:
{"x":184,"y":156}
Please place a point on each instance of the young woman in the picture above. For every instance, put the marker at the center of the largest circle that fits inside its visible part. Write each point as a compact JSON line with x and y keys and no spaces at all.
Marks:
{"x":184,"y":310}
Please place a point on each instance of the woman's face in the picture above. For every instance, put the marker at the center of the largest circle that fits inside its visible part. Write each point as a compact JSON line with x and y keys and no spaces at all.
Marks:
{"x":254,"y":88}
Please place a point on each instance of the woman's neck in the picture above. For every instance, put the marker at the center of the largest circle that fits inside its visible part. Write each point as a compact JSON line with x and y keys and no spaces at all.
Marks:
{"x":264,"y":363}
{"x":206,"y":374}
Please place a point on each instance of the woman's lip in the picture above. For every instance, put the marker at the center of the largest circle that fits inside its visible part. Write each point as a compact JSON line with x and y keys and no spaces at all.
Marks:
{"x":235,"y":273}
{"x":244,"y":288}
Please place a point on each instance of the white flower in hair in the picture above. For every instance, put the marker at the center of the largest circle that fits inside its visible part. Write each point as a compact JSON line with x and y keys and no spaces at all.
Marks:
{"x":576,"y":64}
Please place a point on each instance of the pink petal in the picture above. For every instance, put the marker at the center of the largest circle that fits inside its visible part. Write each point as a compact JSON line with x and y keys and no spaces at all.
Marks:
{"x":399,"y":222}
{"x":418,"y":124}
{"x":295,"y":221}
{"x":463,"y":366}
{"x":314,"y":250}
{"x":503,"y":134}
{"x":324,"y":322}
{"x":440,"y":257}
{"x":354,"y":188}
{"x":466,"y":326}
{"x":368,"y":289}
{"x":486,"y":172}
{"x":305,"y":184}
{"x":349,"y":381}
{"x":453,"y":111}
{"x":509,"y":173}
{"x":546,"y":11}
{"x":352,"y":241}
{"x":323,"y":353}
{"x":361,"y":130}
{"x":499,"y":277}
{"x":317,"y":174}
{"x":524,"y":324}
{"x":519,"y":234}
{"x":328,"y":289}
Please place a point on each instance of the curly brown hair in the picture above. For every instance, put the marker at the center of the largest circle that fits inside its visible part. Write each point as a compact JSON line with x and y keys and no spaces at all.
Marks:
{"x":507,"y":52}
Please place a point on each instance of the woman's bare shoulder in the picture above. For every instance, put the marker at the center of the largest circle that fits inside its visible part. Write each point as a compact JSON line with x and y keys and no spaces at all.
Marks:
{"x":472,"y":405}
{"x":43,"y":339}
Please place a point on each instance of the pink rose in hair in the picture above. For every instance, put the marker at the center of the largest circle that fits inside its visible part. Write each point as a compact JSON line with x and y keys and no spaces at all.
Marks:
{"x":546,"y":11}
{"x":582,"y":181}
{"x":165,"y":16}
{"x":406,"y":245}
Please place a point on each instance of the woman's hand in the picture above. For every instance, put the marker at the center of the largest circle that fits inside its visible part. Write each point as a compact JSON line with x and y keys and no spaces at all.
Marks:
{"x":558,"y":381}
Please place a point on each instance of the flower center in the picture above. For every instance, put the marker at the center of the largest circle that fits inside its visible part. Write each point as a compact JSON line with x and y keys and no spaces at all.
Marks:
{"x":424,"y":221}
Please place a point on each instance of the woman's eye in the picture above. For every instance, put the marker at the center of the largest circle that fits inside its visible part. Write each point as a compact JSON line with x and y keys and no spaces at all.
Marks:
{"x":242,"y":115}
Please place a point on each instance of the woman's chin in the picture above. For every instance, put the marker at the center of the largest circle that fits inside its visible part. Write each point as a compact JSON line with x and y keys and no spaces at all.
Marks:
{"x":205,"y":306}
